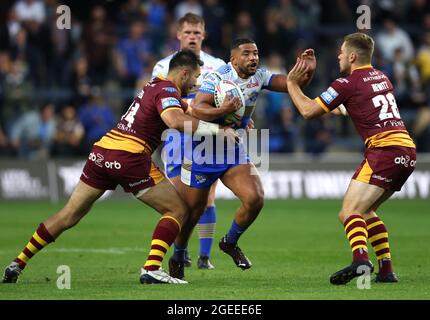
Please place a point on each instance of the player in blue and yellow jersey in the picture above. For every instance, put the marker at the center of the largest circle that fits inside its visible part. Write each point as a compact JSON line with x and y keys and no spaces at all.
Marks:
{"x":230,"y":164}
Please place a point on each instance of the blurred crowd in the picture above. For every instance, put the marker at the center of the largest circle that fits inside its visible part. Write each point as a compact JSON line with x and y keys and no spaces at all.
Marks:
{"x":62,"y":89}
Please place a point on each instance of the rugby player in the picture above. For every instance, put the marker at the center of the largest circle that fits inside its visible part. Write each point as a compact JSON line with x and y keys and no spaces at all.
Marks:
{"x":389,"y":159}
{"x":191,"y":33}
{"x":123,"y":156}
{"x":239,"y":175}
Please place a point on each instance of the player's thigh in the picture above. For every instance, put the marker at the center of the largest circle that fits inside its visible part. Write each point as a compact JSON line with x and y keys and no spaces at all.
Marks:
{"x":164,"y":198}
{"x":80,"y":202}
{"x":195,"y":198}
{"x":360,"y":198}
{"x":244,"y":181}
{"x":372,"y":213}
{"x":175,"y":181}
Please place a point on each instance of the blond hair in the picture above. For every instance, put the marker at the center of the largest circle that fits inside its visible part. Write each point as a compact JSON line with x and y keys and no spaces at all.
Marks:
{"x":362,"y":44}
{"x":191,"y":18}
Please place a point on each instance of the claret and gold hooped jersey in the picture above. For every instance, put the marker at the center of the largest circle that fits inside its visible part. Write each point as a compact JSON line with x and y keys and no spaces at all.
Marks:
{"x":141,"y":127}
{"x":368,"y":96}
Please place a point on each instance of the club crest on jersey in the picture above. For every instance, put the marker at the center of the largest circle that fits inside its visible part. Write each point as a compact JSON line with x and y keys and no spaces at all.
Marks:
{"x":200,"y":178}
{"x":170,"y":89}
{"x":169,"y":102}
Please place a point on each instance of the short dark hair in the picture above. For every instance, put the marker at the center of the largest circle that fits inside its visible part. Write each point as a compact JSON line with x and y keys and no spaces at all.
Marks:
{"x":362,"y":44}
{"x":239,"y":41}
{"x":185,"y":58}
{"x":191,"y":18}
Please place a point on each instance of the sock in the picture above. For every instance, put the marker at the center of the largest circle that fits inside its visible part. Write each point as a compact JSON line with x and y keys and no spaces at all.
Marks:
{"x":206,"y":228}
{"x":378,"y":237}
{"x":234,"y":233}
{"x":179,"y":252}
{"x":164,"y":234}
{"x":356,"y":232}
{"x":40,"y":239}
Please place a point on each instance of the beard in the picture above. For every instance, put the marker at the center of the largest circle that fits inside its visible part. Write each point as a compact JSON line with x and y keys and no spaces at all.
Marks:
{"x":246,"y":71}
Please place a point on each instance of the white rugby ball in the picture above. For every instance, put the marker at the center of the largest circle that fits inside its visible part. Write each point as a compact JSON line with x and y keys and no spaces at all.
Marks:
{"x":223,"y":88}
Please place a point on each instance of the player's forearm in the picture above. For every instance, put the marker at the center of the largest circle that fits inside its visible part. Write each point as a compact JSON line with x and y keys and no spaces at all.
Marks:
{"x":279,"y":82}
{"x":187,"y":123}
{"x":207,"y":112}
{"x":303,"y":103}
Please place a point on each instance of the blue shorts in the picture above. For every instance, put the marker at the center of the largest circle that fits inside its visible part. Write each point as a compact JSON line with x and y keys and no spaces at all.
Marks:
{"x":202,"y":175}
{"x":173,"y":152}
{"x":173,"y":170}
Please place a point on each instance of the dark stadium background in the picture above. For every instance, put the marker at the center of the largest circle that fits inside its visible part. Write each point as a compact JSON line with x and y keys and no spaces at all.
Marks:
{"x":46,"y":67}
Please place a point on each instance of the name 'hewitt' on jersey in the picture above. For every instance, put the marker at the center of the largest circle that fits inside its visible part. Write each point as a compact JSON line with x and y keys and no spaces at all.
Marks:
{"x":368,"y":96}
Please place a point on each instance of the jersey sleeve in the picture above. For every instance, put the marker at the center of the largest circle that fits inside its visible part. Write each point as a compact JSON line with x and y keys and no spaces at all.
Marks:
{"x":209,"y":82}
{"x":338,"y":92}
{"x":266,"y":77}
{"x":219,"y":63}
{"x":168,"y":99}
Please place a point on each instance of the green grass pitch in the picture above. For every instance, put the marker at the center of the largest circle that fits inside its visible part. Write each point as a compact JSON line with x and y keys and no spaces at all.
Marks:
{"x":294,"y":247}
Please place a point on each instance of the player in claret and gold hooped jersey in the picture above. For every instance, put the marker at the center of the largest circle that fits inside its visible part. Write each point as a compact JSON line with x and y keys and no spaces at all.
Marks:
{"x":123,"y":156}
{"x":390,"y":156}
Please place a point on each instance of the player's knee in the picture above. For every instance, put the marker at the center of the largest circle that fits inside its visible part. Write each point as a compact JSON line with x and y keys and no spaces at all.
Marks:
{"x":180,"y":211}
{"x":196,"y":213}
{"x":345,"y":214}
{"x":254,"y":201}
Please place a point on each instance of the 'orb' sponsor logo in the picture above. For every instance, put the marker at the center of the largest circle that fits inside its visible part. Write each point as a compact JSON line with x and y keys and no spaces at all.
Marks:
{"x":98,"y":159}
{"x":405,"y":160}
{"x":113,"y":165}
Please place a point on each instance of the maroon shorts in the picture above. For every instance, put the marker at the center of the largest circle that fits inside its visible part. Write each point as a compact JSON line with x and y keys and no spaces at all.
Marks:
{"x":387,"y":167}
{"x":105,"y":169}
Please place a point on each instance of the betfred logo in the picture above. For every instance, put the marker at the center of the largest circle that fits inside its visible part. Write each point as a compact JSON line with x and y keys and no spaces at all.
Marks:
{"x":405,"y":161}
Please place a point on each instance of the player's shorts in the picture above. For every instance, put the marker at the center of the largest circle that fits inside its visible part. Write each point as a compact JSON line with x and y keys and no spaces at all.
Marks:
{"x":175,"y":154}
{"x":173,"y":170}
{"x":105,"y":169}
{"x":387,"y":167}
{"x":204,"y":175}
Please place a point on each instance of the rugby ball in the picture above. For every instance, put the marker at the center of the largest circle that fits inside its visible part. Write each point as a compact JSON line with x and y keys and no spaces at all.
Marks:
{"x":223,"y":88}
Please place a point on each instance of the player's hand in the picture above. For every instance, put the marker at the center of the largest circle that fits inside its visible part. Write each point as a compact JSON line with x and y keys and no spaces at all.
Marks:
{"x":299,"y":72}
{"x":230,"y":104}
{"x":309,"y":56}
